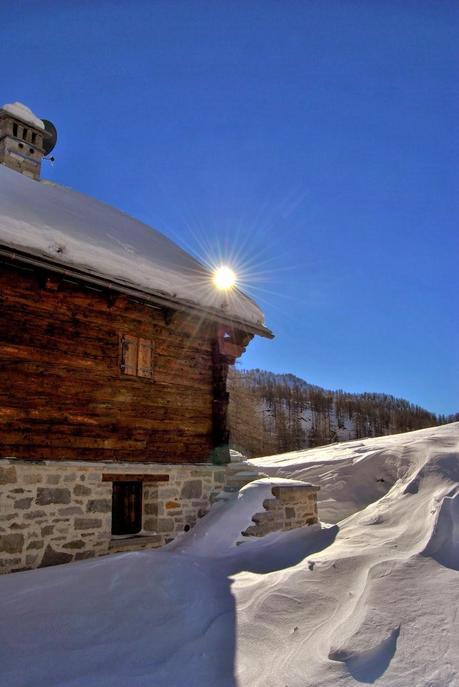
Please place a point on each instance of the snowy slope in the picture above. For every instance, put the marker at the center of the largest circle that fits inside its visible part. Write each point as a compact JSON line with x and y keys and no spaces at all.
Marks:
{"x":370,"y":598}
{"x":50,"y":221}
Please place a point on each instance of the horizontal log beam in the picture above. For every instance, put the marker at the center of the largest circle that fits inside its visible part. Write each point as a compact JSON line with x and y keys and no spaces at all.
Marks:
{"x":148,"y":296}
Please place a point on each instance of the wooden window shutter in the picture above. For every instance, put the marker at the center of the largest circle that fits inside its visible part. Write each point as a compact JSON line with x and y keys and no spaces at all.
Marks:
{"x":129,"y":352}
{"x":145,"y":360}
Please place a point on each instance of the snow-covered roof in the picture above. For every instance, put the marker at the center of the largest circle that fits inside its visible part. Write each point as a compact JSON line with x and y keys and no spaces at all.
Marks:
{"x":23,"y":113}
{"x":68,"y":229}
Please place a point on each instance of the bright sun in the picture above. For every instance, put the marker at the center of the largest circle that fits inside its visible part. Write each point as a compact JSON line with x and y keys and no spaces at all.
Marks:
{"x":224,"y":278}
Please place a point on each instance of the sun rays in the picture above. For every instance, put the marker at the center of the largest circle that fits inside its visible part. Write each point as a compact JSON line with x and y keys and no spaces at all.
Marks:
{"x":224,"y":278}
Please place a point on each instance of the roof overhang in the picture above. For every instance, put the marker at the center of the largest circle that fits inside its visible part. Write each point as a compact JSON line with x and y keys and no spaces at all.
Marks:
{"x":149,"y":296}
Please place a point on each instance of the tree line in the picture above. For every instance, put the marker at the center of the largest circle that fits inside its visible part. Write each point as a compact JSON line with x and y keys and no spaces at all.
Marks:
{"x":274,"y":413}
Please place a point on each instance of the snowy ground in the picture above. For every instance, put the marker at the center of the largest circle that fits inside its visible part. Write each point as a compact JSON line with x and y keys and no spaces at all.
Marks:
{"x":369,"y":598}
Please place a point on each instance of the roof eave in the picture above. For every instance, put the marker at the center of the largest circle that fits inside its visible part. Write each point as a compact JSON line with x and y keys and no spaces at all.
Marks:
{"x":158,"y":298}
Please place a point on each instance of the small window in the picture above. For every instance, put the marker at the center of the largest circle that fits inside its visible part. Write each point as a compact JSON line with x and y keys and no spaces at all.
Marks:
{"x":15,"y":129}
{"x":34,"y":138}
{"x":24,"y":134}
{"x":136,"y":356}
{"x":127,"y":507}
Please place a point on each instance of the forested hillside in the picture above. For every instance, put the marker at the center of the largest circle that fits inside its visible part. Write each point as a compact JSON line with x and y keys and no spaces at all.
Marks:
{"x":272,"y":413}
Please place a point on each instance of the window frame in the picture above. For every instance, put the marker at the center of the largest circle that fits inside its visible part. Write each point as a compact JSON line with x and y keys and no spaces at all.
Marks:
{"x":119,"y":519}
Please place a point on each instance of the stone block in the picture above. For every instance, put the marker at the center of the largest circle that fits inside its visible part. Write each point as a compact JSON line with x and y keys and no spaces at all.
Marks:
{"x":270,"y":504}
{"x":165,"y":525}
{"x":81,"y":490}
{"x":47,"y":496}
{"x":260,"y":518}
{"x":71,"y":510}
{"x":11,"y":543}
{"x":168,"y":493}
{"x":171,"y":505}
{"x":76,"y":544}
{"x":9,"y":563}
{"x":8,"y":517}
{"x":53,"y":479}
{"x":294,"y":493}
{"x":53,"y":557}
{"x":47,"y":530}
{"x":8,"y":475}
{"x":87,"y":523}
{"x":192,"y":489}
{"x":70,"y":477}
{"x":22,"y":504}
{"x":35,"y":544}
{"x":34,"y":514}
{"x":31,"y":560}
{"x":151,"y":508}
{"x":94,"y":477}
{"x":84,"y":555}
{"x":99,"y":506}
{"x":32,"y":478}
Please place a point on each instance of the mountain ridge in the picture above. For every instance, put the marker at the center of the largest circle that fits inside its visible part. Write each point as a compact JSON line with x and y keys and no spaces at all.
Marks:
{"x":276,"y":412}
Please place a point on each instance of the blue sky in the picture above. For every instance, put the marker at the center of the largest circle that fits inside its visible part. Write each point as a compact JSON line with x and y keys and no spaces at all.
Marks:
{"x":312,"y":144}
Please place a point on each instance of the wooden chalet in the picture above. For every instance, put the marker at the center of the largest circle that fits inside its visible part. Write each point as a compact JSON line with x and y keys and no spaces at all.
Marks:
{"x":114,"y":352}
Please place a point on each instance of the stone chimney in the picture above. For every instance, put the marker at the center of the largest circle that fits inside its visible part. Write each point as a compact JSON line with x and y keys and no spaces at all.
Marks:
{"x":22,"y":139}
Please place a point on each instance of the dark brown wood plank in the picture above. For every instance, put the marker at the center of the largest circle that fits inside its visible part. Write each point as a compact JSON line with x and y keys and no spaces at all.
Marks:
{"x":63,"y":396}
{"x":128,"y":477}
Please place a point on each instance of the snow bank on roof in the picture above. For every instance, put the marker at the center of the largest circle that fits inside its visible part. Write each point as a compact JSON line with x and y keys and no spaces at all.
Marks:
{"x":23,"y":113}
{"x":51,"y":221}
{"x":370,"y":600}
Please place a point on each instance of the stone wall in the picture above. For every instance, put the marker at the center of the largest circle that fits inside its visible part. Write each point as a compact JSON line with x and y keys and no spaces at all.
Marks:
{"x":292,"y":506}
{"x":54,"y":512}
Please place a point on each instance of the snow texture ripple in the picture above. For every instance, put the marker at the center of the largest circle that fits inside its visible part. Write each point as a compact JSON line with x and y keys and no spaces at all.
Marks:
{"x":371,"y":597}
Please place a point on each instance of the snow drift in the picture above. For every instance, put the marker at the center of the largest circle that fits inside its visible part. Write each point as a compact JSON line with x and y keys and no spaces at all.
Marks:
{"x":369,"y":598}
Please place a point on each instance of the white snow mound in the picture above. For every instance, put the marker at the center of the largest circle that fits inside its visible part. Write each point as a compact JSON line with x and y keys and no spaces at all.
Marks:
{"x":23,"y":113}
{"x":222,"y":528}
{"x":370,"y":599}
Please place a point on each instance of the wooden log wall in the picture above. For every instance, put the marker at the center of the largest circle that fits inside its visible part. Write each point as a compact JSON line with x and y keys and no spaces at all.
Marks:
{"x":62,"y":394}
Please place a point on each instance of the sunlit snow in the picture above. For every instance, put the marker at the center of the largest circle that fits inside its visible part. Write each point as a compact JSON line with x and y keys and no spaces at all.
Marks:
{"x":369,"y":597}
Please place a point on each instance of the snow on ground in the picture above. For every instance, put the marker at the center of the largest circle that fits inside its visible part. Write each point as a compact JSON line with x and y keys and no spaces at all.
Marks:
{"x":369,"y":598}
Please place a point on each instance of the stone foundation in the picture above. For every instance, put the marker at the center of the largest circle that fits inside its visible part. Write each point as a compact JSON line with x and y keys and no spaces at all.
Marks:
{"x":53,"y":513}
{"x":292,"y":506}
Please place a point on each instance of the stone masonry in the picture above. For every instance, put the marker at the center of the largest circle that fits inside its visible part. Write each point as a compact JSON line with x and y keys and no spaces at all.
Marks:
{"x":292,"y":506}
{"x":53,"y":513}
